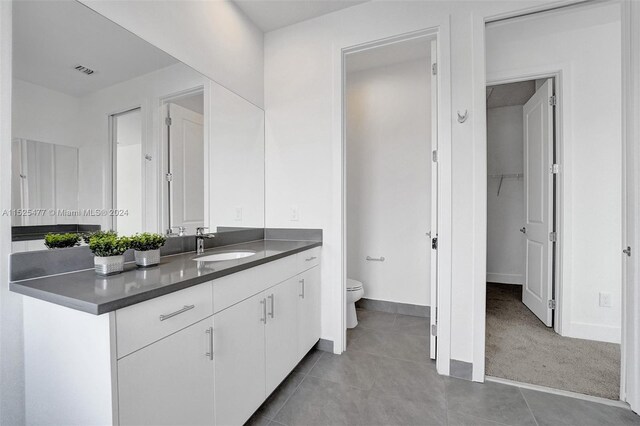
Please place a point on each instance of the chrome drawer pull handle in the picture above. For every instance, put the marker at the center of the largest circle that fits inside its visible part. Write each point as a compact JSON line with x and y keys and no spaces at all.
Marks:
{"x":272,"y":309}
{"x":210,"y":353}
{"x":178,"y":312}
{"x":311,"y":258}
{"x":263,"y":302}
{"x":302,"y":294}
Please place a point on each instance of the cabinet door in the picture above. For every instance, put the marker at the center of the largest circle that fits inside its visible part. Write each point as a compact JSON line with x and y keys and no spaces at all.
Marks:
{"x":169,"y":382}
{"x":240,"y":360}
{"x":282,"y":331}
{"x":309,"y":310}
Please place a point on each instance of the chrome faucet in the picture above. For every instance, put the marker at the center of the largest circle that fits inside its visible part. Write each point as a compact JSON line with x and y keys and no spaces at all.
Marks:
{"x":200,"y":236}
{"x":181,"y":231}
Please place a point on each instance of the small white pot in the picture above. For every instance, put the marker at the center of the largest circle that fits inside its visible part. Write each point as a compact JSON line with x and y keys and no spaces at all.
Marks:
{"x":147,"y":257}
{"x":109,"y":265}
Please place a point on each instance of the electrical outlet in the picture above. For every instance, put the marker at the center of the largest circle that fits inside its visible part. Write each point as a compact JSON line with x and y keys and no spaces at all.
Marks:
{"x":294,"y":214}
{"x":238,"y":214}
{"x":605,"y":300}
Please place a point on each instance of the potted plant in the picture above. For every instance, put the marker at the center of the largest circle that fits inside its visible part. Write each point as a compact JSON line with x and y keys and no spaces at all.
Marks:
{"x":87,"y":236}
{"x":108,"y":250}
{"x":147,"y":248}
{"x":52,"y":241}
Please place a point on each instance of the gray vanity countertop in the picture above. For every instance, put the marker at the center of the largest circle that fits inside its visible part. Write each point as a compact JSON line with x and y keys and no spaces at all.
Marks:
{"x":88,"y":292}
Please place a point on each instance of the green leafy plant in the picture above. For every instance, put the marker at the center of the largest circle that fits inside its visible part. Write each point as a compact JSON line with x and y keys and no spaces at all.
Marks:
{"x":87,"y":236}
{"x":109,"y":244}
{"x":147,"y":241}
{"x":61,"y":240}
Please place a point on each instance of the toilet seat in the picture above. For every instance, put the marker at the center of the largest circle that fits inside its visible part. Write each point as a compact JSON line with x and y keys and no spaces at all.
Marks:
{"x":353,"y":285}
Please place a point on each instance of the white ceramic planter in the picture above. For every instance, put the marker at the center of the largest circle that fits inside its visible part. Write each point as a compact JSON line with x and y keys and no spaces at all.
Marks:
{"x":147,"y":257}
{"x":109,"y":265}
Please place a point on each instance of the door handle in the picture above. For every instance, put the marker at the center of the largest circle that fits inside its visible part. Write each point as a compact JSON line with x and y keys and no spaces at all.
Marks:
{"x":263,"y":302}
{"x":523,"y":230}
{"x":210,"y":353}
{"x":302,"y":288}
{"x":272,"y":308}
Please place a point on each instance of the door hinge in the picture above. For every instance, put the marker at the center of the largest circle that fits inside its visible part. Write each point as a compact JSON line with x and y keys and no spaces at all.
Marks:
{"x":553,"y":236}
{"x":434,"y":243}
{"x":627,"y":251}
{"x":555,"y":169}
{"x":552,"y":304}
{"x":167,"y":121}
{"x":169,"y":177}
{"x":434,"y":156}
{"x":552,"y":100}
{"x":434,"y":329}
{"x":434,"y":69}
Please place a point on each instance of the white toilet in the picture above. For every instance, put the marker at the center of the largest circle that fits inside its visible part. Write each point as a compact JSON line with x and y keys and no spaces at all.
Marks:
{"x":355,"y":291}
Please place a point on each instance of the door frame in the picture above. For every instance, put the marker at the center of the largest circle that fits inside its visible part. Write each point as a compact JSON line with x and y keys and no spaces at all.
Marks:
{"x":162,"y":150}
{"x":558,"y":184}
{"x":443,"y":195}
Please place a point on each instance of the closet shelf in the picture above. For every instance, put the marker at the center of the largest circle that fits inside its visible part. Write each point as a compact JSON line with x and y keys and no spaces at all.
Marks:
{"x":507,"y":176}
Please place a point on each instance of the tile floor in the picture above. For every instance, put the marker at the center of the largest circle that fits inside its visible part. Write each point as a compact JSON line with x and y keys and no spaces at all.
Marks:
{"x":386,"y":378}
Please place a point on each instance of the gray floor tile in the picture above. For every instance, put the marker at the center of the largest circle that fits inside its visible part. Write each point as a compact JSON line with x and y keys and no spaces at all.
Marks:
{"x":406,"y":378}
{"x":353,"y":334}
{"x":549,"y":409}
{"x":257,"y":420}
{"x":395,"y":345}
{"x":375,"y":320}
{"x":417,"y":409}
{"x":308,"y":361}
{"x":321,"y":402}
{"x":412,"y":325}
{"x":274,"y":423}
{"x":357,"y":369}
{"x":459,"y":419}
{"x":490,"y":401}
{"x":276,"y":400}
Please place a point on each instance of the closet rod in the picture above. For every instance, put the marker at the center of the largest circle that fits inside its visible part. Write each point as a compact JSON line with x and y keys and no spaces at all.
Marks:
{"x":507,"y":176}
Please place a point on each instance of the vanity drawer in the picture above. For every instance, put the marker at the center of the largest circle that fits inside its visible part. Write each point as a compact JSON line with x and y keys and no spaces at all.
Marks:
{"x":142,"y":324}
{"x":308,"y":259}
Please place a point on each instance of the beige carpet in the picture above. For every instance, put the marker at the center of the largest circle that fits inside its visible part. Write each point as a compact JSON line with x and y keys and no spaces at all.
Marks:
{"x":521,"y":348}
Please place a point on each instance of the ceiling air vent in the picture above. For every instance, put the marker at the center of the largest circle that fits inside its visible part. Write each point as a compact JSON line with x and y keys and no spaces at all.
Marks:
{"x":85,"y":70}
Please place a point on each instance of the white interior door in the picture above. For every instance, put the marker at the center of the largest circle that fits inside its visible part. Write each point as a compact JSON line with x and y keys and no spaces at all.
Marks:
{"x":186,"y":168}
{"x":434,"y":201}
{"x":538,"y":182}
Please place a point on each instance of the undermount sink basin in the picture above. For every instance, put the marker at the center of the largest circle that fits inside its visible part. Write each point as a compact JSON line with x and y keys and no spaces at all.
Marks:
{"x":232,"y":255}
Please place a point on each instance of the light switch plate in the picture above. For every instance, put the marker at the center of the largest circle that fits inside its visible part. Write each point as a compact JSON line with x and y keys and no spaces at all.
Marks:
{"x":294,"y":214}
{"x":605,"y":300}
{"x":238,"y":214}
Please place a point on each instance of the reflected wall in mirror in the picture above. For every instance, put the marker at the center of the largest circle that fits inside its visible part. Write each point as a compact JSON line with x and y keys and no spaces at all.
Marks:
{"x":110,"y":131}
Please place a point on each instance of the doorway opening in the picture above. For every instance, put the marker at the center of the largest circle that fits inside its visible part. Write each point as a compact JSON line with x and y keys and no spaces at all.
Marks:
{"x":128,"y":171}
{"x":390,"y":136}
{"x":184,"y":157}
{"x":525,"y":338}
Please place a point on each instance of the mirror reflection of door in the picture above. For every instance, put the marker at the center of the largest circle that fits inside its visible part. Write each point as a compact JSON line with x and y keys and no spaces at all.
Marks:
{"x":185,"y":163}
{"x":129,"y":172}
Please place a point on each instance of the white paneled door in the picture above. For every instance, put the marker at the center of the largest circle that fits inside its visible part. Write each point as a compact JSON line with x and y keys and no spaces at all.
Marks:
{"x":538,"y":184}
{"x":186,"y":168}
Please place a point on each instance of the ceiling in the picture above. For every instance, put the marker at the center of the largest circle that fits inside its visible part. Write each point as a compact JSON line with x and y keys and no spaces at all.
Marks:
{"x":510,"y":94}
{"x":50,"y":38}
{"x":389,"y":54}
{"x":270,"y":15}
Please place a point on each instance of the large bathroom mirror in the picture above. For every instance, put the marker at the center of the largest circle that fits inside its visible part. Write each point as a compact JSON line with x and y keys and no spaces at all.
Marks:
{"x":109,"y":132}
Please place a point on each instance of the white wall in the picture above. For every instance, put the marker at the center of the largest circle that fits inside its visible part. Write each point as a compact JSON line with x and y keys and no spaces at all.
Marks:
{"x":591,"y":151}
{"x":214,"y":37}
{"x":388,"y":146}
{"x":505,"y":212}
{"x":44,"y":115}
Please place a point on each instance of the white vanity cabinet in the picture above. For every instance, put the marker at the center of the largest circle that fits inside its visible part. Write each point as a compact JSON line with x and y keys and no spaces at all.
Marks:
{"x":171,"y":381}
{"x":206,"y":355}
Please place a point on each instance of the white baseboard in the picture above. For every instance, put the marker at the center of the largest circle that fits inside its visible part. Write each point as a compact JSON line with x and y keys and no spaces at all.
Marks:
{"x":494,"y":277}
{"x":600,"y":333}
